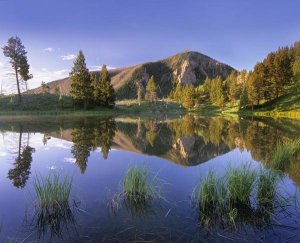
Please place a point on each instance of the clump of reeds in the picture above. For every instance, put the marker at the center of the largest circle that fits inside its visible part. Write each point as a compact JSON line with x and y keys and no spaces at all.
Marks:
{"x":266,"y":187}
{"x":138,"y":190}
{"x":53,"y":212}
{"x":211,"y":191}
{"x":241,"y":195}
{"x":51,"y":190}
{"x":240,"y":183}
{"x":137,"y":185}
{"x":284,"y":153}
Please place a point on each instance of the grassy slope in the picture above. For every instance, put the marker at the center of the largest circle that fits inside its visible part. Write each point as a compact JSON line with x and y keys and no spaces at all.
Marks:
{"x":286,"y":106}
{"x":48,"y":104}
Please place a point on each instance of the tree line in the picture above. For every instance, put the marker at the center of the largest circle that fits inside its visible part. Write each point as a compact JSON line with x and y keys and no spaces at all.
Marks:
{"x":277,"y":75}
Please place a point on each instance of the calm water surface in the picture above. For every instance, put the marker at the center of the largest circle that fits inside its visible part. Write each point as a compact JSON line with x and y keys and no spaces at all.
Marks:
{"x":96,"y":153}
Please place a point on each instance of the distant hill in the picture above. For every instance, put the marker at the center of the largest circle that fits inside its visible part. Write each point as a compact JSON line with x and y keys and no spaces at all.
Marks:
{"x":186,"y":67}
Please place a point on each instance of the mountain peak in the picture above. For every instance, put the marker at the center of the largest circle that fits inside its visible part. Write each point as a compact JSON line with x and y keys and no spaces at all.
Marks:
{"x":187,"y":67}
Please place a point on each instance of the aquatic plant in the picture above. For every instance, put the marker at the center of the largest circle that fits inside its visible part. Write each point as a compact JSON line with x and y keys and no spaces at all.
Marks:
{"x":138,"y":190}
{"x":53,"y":212}
{"x":212,"y":191}
{"x":51,"y":190}
{"x":284,"y":153}
{"x":240,"y":183}
{"x":136,"y":184}
{"x":242,"y":195}
{"x":266,"y":187}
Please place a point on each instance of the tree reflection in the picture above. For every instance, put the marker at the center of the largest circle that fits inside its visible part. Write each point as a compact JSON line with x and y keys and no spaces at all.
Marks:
{"x":21,"y":171}
{"x":104,"y":135}
{"x":82,"y":138}
{"x":88,"y":136}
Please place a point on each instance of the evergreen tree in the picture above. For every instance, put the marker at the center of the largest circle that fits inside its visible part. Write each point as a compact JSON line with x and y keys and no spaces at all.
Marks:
{"x":243,"y":99}
{"x":104,"y":93}
{"x":81,"y":83}
{"x":188,"y":96}
{"x":151,"y":90}
{"x":207,"y":86}
{"x":233,"y":87}
{"x":282,"y":71}
{"x":139,"y":94}
{"x":216,"y":92}
{"x":15,"y":51}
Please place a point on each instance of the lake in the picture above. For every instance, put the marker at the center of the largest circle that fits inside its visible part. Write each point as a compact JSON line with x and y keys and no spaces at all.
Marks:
{"x":94,"y":153}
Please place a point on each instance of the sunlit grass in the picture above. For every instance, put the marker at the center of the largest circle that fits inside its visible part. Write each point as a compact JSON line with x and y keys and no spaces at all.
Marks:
{"x":284,"y":153}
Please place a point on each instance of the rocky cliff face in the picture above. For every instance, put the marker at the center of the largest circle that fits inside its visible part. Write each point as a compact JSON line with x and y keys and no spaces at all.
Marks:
{"x":186,"y":68}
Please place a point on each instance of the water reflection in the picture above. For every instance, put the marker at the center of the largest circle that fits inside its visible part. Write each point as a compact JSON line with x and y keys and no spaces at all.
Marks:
{"x":187,"y":141}
{"x":87,"y":136}
{"x":21,"y":171}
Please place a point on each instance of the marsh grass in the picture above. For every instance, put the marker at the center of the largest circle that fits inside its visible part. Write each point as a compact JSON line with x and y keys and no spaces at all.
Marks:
{"x":240,"y":183}
{"x":53,"y":212}
{"x":242,"y":196}
{"x":284,"y":153}
{"x":212,"y":191}
{"x":266,"y":188}
{"x":136,"y":184}
{"x":51,"y":190}
{"x":138,"y":189}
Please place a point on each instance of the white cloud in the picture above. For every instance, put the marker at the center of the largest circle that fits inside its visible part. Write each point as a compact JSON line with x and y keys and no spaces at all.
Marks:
{"x":1,"y":64}
{"x":97,"y":68}
{"x":52,"y":167}
{"x":49,"y":49}
{"x":68,"y":57}
{"x":3,"y":154}
{"x":46,"y":75}
{"x":70,"y":160}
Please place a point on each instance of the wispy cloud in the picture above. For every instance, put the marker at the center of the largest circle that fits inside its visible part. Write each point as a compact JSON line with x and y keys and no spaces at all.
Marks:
{"x":49,"y":49}
{"x":1,"y":64}
{"x":46,"y":75}
{"x":68,"y":57}
{"x":70,"y":160}
{"x":97,"y":68}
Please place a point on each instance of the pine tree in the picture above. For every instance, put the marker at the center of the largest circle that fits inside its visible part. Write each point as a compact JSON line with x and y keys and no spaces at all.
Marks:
{"x":233,"y":87}
{"x":15,"y":50}
{"x":104,"y":93}
{"x":216,"y":94}
{"x":282,"y":71}
{"x":139,"y":94}
{"x":243,"y":99}
{"x":151,"y":90}
{"x":81,"y":83}
{"x":188,"y":96}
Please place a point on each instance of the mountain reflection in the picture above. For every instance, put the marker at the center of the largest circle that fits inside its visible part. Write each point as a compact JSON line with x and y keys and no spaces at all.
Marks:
{"x":188,"y":141}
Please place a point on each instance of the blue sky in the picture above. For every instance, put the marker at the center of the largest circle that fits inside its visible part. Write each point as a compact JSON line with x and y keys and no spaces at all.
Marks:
{"x":127,"y":32}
